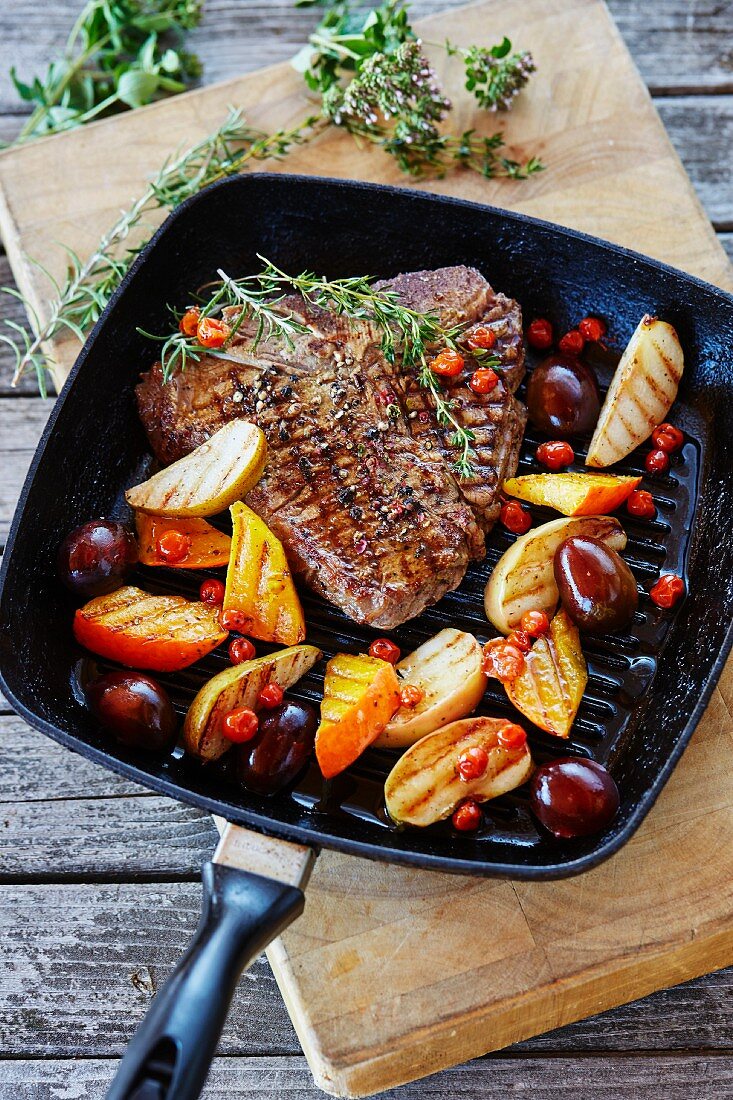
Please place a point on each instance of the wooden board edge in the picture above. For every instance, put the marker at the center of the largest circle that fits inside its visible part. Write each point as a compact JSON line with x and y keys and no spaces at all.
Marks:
{"x":438,"y":1047}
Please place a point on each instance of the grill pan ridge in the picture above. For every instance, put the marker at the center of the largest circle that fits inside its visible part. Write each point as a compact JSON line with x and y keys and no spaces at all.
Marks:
{"x":647,"y":687}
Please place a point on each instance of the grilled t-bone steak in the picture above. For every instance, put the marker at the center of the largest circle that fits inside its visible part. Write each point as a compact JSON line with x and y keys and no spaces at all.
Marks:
{"x":359,"y":484}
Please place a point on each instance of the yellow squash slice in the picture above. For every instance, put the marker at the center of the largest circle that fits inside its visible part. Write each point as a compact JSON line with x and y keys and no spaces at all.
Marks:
{"x":259,"y":583}
{"x":641,"y":392}
{"x":447,"y":669}
{"x":360,"y":695}
{"x":550,"y":688}
{"x":239,"y":686}
{"x":209,"y":479}
{"x":425,"y":785}
{"x":573,"y":494}
{"x":523,"y":578}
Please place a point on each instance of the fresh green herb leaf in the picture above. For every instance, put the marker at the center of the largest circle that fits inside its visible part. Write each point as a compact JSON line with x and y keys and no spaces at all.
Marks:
{"x":119,"y":54}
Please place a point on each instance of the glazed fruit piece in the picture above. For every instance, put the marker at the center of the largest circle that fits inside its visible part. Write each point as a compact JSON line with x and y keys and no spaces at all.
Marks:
{"x":549,"y":689}
{"x":447,"y":672}
{"x":562,"y":397}
{"x":426,"y":784}
{"x":135,"y":708}
{"x":596,"y":586}
{"x":209,"y":479}
{"x":523,"y":578}
{"x":236,"y":687}
{"x":573,"y":494}
{"x":260,"y":598}
{"x":207,"y":547}
{"x":360,"y":695}
{"x":96,"y":557}
{"x":164,"y":633}
{"x":641,"y":392}
{"x":280,"y":749}
{"x":573,"y":797}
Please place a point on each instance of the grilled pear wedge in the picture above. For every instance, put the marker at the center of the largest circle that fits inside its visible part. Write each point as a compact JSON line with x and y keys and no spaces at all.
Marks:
{"x":641,"y":392}
{"x":425,"y":784}
{"x":239,"y":686}
{"x":209,"y":479}
{"x":447,"y":669}
{"x":523,"y":578}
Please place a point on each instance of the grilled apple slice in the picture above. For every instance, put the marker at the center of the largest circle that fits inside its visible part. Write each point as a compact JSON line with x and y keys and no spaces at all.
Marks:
{"x":573,"y":494}
{"x":641,"y":392}
{"x":209,"y":548}
{"x":209,"y":479}
{"x":523,"y":578}
{"x":260,"y":587}
{"x":447,"y":669}
{"x":239,"y":686}
{"x":425,"y":785}
{"x":165,"y":633}
{"x":360,"y":695}
{"x":550,"y":688}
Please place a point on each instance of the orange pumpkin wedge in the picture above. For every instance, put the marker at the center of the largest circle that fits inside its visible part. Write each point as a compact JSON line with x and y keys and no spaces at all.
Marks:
{"x":573,"y":494}
{"x":209,"y":548}
{"x":550,"y":688}
{"x":259,"y":586}
{"x":163,"y":633}
{"x":360,"y":695}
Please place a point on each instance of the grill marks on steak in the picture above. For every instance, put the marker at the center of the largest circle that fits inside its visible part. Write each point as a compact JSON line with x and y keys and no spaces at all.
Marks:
{"x":364,"y":501}
{"x":462,"y":296}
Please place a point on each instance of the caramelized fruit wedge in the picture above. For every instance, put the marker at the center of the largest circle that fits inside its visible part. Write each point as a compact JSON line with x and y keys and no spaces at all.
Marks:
{"x":259,"y":583}
{"x":360,"y":695}
{"x":550,"y":688}
{"x":523,"y":578}
{"x":641,"y":392}
{"x":425,"y":784}
{"x":239,"y":686}
{"x":209,"y":479}
{"x":165,"y":633}
{"x":447,"y":670}
{"x":209,"y":548}
{"x":573,"y":494}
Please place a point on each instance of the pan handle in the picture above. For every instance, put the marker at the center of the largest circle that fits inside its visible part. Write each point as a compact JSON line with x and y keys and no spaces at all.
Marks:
{"x":170,"y":1054}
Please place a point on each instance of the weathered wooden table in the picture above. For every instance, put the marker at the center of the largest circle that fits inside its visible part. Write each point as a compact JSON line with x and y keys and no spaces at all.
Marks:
{"x":98,"y":878}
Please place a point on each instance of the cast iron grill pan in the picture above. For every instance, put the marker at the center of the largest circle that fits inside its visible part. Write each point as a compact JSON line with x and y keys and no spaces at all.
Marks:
{"x":647,"y":686}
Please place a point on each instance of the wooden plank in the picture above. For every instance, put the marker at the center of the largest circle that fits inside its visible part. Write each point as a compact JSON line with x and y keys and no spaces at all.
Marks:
{"x":33,"y":768}
{"x":12,"y":310}
{"x":702,"y":133}
{"x":685,"y":1077}
{"x":83,"y":961}
{"x":22,"y":420}
{"x":133,"y":837}
{"x":608,"y":160}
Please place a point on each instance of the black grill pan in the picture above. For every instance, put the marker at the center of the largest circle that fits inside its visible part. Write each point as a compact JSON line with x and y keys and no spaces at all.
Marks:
{"x":647,"y":689}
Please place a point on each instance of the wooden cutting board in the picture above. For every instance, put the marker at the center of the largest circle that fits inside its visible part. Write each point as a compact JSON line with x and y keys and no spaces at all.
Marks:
{"x":392,"y":974}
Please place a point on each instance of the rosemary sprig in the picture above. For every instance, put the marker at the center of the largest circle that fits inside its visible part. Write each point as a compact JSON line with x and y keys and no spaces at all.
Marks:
{"x":404,"y":331}
{"x":89,"y":285}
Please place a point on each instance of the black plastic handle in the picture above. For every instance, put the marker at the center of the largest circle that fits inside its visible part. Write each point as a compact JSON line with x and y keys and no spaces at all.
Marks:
{"x":170,"y":1053}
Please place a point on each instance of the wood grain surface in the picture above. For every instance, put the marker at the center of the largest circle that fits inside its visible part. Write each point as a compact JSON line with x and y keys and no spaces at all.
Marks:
{"x":74,"y":1013}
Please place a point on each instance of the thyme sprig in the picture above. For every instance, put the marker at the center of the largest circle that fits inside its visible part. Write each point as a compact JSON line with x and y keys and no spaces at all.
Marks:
{"x":376,"y":82}
{"x":404,"y":331}
{"x":78,"y":301}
